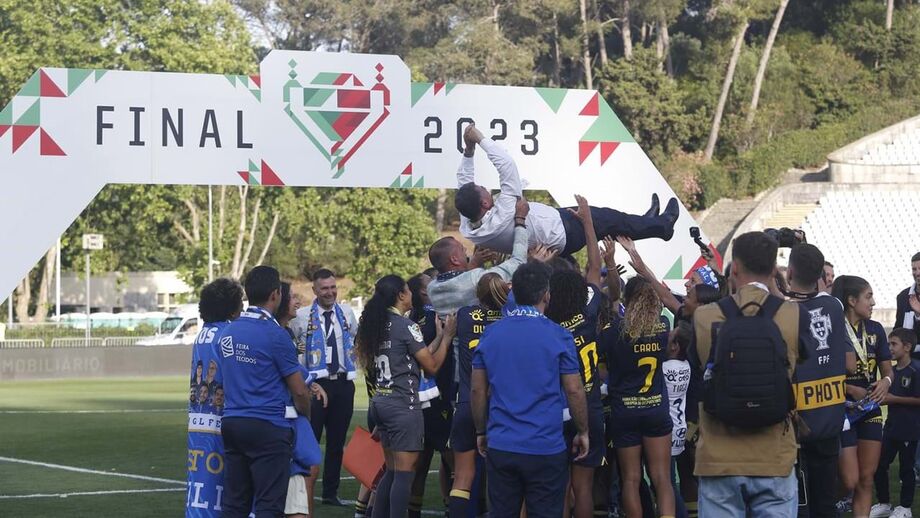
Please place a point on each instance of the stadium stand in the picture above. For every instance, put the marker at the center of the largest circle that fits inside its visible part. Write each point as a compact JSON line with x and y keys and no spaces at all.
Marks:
{"x":860,"y":217}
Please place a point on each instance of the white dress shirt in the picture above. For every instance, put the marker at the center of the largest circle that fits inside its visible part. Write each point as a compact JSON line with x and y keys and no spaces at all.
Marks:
{"x":496,"y":228}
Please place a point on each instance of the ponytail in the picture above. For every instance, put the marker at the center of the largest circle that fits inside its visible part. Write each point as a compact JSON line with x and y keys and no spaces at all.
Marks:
{"x":372,"y":326}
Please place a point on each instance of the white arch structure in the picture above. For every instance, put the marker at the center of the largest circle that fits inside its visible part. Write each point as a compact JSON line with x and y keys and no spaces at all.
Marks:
{"x":308,"y":119}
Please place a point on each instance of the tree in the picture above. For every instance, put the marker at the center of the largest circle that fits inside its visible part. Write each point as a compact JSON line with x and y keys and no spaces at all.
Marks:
{"x":586,"y":45}
{"x":626,"y":31}
{"x":737,"y":44}
{"x":765,"y":59}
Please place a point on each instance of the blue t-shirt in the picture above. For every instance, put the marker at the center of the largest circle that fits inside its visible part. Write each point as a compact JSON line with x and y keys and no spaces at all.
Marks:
{"x":257,"y":354}
{"x":524,"y":355}
{"x":903,"y":423}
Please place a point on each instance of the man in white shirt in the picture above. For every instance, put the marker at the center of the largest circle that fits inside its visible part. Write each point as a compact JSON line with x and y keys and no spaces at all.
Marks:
{"x":488,"y":222}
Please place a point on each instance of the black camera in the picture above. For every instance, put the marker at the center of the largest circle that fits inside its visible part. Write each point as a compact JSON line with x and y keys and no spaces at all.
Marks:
{"x":786,"y":237}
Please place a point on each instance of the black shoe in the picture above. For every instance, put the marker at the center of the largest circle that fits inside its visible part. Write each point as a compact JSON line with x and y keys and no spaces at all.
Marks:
{"x":670,"y":215}
{"x":653,"y":210}
{"x":334,"y":501}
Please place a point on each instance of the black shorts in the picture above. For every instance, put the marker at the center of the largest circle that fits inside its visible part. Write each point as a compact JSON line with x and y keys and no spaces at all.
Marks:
{"x":629,"y":428}
{"x":463,"y":431}
{"x":437,"y":424}
{"x":399,"y":428}
{"x":597,"y":445}
{"x":868,"y":429}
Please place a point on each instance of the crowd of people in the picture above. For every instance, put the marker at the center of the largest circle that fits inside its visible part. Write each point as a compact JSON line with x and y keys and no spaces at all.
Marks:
{"x":552,"y":388}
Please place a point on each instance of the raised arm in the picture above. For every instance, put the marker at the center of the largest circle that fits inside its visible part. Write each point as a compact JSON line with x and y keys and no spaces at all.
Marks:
{"x":466,"y":173}
{"x":635,"y":260}
{"x":593,"y":272}
{"x":507,"y":170}
{"x":431,"y":358}
{"x":613,"y":270}
{"x":519,"y":251}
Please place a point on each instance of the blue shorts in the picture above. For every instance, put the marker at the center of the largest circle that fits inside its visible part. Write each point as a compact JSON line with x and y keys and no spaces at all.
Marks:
{"x":597,"y":445}
{"x":437,"y":424}
{"x":463,"y":431}
{"x":867,"y":429}
{"x":629,"y":428}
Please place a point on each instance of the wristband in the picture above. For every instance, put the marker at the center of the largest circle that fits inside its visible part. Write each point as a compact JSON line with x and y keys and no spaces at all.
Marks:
{"x":516,"y":224}
{"x":889,"y":380}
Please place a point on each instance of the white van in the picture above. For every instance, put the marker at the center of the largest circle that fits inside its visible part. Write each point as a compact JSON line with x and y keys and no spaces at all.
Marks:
{"x":179,"y":328}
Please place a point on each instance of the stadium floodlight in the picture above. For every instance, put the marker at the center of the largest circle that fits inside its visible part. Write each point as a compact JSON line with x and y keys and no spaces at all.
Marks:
{"x":307,"y":119}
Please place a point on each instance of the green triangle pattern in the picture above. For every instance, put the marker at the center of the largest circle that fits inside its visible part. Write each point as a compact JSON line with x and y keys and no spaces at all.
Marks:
{"x":253,"y":180}
{"x":324,"y":125}
{"x":676,"y":272}
{"x":420,"y":183}
{"x":396,"y":182}
{"x":257,"y":94}
{"x":303,"y":129}
{"x":316,"y":96}
{"x":75,"y":78}
{"x":32,"y":116}
{"x":325,"y":78}
{"x":607,"y":127}
{"x":253,"y":168}
{"x":418,"y":91}
{"x":408,"y":183}
{"x":6,"y":115}
{"x":99,"y":74}
{"x":32,"y":86}
{"x":231,"y":78}
{"x":553,"y":97}
{"x":244,"y":80}
{"x":449,"y":87}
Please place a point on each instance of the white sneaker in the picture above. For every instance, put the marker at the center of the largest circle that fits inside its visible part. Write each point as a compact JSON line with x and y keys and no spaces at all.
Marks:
{"x":901,"y":512}
{"x":880,"y":511}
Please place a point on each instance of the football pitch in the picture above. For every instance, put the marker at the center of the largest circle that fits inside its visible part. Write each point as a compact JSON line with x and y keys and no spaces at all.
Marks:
{"x":117,"y":447}
{"x":112,"y":447}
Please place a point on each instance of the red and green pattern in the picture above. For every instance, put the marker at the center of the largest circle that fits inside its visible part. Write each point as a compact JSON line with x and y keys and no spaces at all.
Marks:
{"x":335,"y":112}
{"x":419,"y":90}
{"x":259,"y":174}
{"x":406,"y":179}
{"x":251,"y":83}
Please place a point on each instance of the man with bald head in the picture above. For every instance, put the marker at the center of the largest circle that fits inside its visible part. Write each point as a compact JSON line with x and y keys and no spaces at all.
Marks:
{"x":455,"y":285}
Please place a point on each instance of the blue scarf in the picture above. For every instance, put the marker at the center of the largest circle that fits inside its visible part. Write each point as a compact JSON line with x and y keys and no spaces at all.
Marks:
{"x":427,"y":387}
{"x":315,"y":340}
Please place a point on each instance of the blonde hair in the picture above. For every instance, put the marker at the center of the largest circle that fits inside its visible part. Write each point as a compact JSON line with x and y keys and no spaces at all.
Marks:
{"x":643,"y":308}
{"x":492,"y":291}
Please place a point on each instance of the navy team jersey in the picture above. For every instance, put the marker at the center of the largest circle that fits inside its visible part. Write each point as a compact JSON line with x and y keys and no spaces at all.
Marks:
{"x":471,"y":322}
{"x":395,"y":365}
{"x":903,"y":423}
{"x":636,"y":383}
{"x":426,"y":320}
{"x":256,"y":355}
{"x":872,"y":339}
{"x":583,"y":327}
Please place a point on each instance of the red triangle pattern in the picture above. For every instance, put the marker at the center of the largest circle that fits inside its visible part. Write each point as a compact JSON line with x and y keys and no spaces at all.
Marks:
{"x":701,"y":261}
{"x":408,"y":169}
{"x":269,"y":177}
{"x":4,"y":128}
{"x":257,"y":80}
{"x":47,"y":88}
{"x":244,"y":175}
{"x":437,"y":88}
{"x":585,"y":149}
{"x":591,"y":109}
{"x":607,"y":149}
{"x":21,"y":134}
{"x":48,"y":146}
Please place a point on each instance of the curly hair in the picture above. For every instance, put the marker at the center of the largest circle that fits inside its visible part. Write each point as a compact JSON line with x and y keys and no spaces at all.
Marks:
{"x":220,"y":300}
{"x":568,"y":295}
{"x":643,"y":308}
{"x":492,"y":291}
{"x":372,"y":327}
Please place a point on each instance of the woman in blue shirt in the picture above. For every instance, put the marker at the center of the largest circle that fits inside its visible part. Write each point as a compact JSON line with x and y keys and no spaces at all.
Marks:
{"x":636,"y":347}
{"x":861,"y":445}
{"x":393,"y":346}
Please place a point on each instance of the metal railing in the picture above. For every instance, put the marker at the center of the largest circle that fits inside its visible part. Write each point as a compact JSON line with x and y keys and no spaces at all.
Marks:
{"x":22,"y":344}
{"x":71,"y":342}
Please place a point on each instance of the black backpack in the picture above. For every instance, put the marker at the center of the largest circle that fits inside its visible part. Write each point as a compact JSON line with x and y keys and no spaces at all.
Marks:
{"x":746,"y":383}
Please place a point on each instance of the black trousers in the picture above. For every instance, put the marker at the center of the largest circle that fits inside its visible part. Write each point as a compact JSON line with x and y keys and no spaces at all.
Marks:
{"x":817,"y":472}
{"x":257,"y":462}
{"x":907,"y":451}
{"x":335,"y":418}
{"x":611,"y":222}
{"x":538,"y":480}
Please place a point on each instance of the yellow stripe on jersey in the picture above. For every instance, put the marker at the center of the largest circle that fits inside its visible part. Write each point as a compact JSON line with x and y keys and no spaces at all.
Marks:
{"x":820,"y":393}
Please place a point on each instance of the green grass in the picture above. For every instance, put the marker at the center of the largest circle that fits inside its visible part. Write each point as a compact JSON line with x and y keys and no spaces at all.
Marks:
{"x":151,"y":444}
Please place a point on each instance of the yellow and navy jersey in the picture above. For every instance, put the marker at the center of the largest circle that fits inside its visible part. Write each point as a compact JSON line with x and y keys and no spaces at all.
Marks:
{"x":871,"y":348}
{"x":583,"y":327}
{"x":634,"y":367}
{"x":471,"y":322}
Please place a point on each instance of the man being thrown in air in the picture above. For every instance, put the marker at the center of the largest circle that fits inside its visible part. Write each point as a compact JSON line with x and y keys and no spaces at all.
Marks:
{"x":489,"y":223}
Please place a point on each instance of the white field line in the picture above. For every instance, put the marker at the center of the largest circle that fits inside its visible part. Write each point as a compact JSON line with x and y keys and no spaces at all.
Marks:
{"x":426,"y":512}
{"x":91,"y":493}
{"x":131,"y":411}
{"x":92,"y":471}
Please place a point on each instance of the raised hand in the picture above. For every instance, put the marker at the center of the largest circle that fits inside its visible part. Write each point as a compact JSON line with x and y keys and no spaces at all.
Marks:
{"x":609,"y":253}
{"x":584,"y":211}
{"x":472,"y":136}
{"x":542,"y":253}
{"x":481,"y":256}
{"x":521,"y":208}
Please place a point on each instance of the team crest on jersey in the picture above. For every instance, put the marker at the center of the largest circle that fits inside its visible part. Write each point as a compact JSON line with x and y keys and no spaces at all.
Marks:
{"x":905,"y":382}
{"x":226,"y":346}
{"x":820,"y":327}
{"x":416,"y":332}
